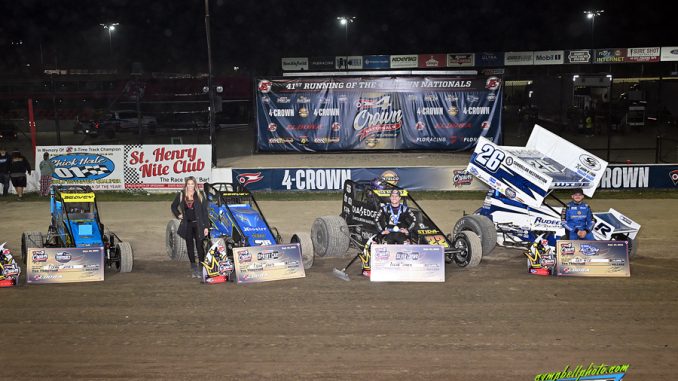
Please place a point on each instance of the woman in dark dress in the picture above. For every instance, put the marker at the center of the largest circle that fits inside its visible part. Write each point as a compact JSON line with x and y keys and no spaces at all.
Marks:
{"x":190,"y":206}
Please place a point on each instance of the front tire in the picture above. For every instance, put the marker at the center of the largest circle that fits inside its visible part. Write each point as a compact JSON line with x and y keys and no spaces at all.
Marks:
{"x":126,"y":257}
{"x":306,"y":247}
{"x":329,"y":235}
{"x":471,"y":249}
{"x":482,"y":226}
{"x":30,"y":240}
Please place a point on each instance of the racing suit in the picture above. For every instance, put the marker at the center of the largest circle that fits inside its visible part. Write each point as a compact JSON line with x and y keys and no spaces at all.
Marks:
{"x":392,"y":219}
{"x":576,"y":217}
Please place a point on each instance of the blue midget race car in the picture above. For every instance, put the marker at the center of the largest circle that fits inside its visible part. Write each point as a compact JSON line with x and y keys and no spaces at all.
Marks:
{"x":235,"y":221}
{"x":515,"y":214}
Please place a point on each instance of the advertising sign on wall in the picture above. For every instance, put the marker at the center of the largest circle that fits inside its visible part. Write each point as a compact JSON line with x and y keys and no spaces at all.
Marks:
{"x":321,"y":63}
{"x":610,"y":56}
{"x":294,"y":63}
{"x":100,"y":167}
{"x":638,"y":176}
{"x":376,"y":62}
{"x":490,"y":59}
{"x":377,"y":113}
{"x":643,"y":54}
{"x":582,"y":56}
{"x":404,"y":61}
{"x":669,"y":53}
{"x":461,"y":59}
{"x":128,"y":166}
{"x":432,"y":60}
{"x":549,"y":57}
{"x":518,"y":58}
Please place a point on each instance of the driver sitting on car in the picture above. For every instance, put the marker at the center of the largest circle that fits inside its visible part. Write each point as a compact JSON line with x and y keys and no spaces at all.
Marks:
{"x":395,"y":221}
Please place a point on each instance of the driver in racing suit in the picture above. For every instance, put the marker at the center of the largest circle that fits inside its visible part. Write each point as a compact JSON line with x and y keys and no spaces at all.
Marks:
{"x":394,"y":221}
{"x":577,"y":217}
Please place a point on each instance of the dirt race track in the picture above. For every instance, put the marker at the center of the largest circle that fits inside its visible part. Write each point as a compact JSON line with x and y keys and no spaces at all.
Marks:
{"x":491,"y":322}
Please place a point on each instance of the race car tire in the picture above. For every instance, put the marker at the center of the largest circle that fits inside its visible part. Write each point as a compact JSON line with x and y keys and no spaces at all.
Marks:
{"x":30,"y":239}
{"x":170,"y":237}
{"x":482,"y":226}
{"x":126,"y":257}
{"x":632,"y":247}
{"x":472,"y":249}
{"x":329,"y":235}
{"x":306,"y":246}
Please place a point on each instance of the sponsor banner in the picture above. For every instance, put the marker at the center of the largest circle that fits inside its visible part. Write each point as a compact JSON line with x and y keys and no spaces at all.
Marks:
{"x":349,"y":62}
{"x":376,"y":62}
{"x":407,"y":263}
{"x":490,"y":59}
{"x":427,"y":61}
{"x":321,"y":63}
{"x":518,"y":58}
{"x":267,"y":263}
{"x":100,"y":167}
{"x":377,"y":113}
{"x":160,"y":166}
{"x":592,"y":258}
{"x":461,"y":59}
{"x":332,"y":179}
{"x":64,"y":265}
{"x":581,"y":56}
{"x":643,"y":54}
{"x":608,"y":56}
{"x":549,"y":57}
{"x":669,"y":53}
{"x":640,"y":176}
{"x":404,"y":61}
{"x":294,"y":63}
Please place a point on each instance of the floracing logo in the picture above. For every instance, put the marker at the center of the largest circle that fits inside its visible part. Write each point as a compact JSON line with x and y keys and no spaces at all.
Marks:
{"x":462,"y":178}
{"x":249,"y":178}
{"x":492,"y":83}
{"x":590,"y":161}
{"x":265,"y":86}
{"x":592,"y":372}
{"x":674,"y":176}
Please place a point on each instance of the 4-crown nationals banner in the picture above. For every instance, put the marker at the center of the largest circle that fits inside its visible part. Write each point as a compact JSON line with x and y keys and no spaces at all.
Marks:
{"x":413,"y":113}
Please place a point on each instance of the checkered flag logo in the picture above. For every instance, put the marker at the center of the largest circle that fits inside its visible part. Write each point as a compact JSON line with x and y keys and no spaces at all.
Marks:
{"x":94,"y":170}
{"x":131,"y":174}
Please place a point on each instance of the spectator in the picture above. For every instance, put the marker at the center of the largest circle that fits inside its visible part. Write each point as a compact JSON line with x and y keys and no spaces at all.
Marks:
{"x":46,"y":171}
{"x":190,"y":206}
{"x":5,"y":160}
{"x":18,"y":168}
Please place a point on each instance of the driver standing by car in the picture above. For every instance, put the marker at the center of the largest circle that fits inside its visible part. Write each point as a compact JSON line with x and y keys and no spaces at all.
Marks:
{"x":395,"y":221}
{"x":577,"y":217}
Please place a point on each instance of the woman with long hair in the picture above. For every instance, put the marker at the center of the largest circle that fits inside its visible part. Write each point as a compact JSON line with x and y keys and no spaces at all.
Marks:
{"x":190,"y":206}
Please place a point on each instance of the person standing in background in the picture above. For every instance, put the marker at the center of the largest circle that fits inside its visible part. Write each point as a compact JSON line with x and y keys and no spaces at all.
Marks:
{"x":18,"y":169}
{"x":46,"y":171}
{"x":5,"y":159}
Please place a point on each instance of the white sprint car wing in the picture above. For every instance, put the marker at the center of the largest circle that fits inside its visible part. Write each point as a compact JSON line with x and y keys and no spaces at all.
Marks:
{"x":528,"y":173}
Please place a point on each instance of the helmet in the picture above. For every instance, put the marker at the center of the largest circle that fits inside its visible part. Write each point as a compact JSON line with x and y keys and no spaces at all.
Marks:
{"x":377,"y":183}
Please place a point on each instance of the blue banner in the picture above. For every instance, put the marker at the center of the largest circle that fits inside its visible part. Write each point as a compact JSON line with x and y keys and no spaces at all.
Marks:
{"x":638,"y":176}
{"x":376,"y":62}
{"x":492,"y":59}
{"x":332,"y":179}
{"x":384,"y":113}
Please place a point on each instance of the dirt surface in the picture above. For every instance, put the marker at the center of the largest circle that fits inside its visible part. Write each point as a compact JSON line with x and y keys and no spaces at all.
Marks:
{"x":491,"y":322}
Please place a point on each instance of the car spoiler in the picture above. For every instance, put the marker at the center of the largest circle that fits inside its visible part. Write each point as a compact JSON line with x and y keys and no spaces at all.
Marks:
{"x":527,"y":174}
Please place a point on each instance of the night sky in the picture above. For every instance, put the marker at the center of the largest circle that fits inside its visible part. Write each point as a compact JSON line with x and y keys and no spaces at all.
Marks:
{"x":169,"y":35}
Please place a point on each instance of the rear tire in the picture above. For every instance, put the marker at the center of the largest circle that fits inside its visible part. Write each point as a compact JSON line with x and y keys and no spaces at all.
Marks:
{"x":632,"y":247}
{"x":482,"y":226}
{"x":170,"y":233}
{"x":306,"y":246}
{"x":126,"y":257}
{"x":472,"y":249}
{"x":30,"y":240}
{"x":329,"y":235}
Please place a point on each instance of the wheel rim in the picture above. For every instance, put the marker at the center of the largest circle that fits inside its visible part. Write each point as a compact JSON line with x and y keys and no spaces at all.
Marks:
{"x":322,"y":237}
{"x":462,"y":258}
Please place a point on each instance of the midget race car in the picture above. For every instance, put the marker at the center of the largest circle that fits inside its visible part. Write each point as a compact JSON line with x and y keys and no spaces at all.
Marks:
{"x":514,"y":213}
{"x":9,"y":269}
{"x":75,"y":222}
{"x":355,"y":226}
{"x":235,"y":221}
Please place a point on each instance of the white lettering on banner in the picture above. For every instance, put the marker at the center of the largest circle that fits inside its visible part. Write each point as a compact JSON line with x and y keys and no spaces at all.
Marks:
{"x":323,"y":85}
{"x":285,"y":112}
{"x":430,"y":111}
{"x":476,"y":110}
{"x":644,"y":52}
{"x":626,"y":177}
{"x":320,"y":179}
{"x":326,"y":112}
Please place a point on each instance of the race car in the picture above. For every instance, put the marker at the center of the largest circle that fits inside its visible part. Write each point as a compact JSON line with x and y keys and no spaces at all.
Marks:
{"x":75,"y":222}
{"x":356,"y":226}
{"x":9,"y":269}
{"x":235,"y":221}
{"x":514,"y":213}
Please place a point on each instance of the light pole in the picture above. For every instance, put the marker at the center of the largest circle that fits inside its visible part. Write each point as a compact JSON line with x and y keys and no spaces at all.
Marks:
{"x":344,"y":21}
{"x":210,"y":84}
{"x":110,"y":27}
{"x":591,"y":15}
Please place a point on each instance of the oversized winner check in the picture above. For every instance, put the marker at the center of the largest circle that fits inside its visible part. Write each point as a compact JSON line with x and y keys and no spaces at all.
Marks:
{"x":65,"y":265}
{"x":592,"y":258}
{"x":266,"y":263}
{"x":407,"y":263}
